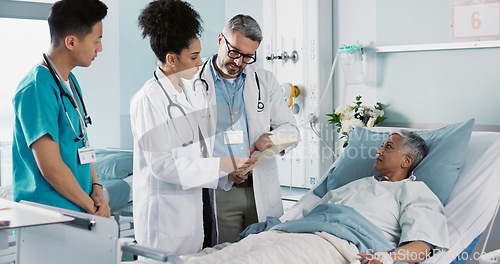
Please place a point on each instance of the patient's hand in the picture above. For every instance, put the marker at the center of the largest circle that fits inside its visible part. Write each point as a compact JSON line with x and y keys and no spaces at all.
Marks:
{"x":376,"y":258}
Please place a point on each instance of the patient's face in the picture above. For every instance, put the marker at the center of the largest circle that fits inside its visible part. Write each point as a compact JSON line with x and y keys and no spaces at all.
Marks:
{"x":390,"y":156}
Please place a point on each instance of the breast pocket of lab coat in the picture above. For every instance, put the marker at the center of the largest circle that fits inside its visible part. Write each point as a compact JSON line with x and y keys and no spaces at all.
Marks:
{"x":177,"y":215}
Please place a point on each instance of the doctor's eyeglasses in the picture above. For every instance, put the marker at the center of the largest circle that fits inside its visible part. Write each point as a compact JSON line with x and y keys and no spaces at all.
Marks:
{"x":234,"y":54}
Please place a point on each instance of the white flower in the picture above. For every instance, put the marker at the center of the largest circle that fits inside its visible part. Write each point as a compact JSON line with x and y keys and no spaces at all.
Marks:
{"x":348,"y":113}
{"x":357,"y":123}
{"x":371,"y":122}
{"x":339,"y":110}
{"x":349,"y":124}
{"x":346,"y":126}
{"x":351,"y":118}
{"x":377,"y":113}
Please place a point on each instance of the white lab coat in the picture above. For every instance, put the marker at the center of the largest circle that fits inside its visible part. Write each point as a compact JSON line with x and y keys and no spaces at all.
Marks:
{"x":275,"y":118}
{"x":168,"y":178}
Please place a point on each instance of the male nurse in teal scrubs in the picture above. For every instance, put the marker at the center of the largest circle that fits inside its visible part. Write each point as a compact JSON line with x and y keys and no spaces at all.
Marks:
{"x":52,"y":158}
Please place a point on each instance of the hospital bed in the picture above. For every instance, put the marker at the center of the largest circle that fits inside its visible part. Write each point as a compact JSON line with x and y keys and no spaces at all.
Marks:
{"x":471,"y":204}
{"x":470,"y":199}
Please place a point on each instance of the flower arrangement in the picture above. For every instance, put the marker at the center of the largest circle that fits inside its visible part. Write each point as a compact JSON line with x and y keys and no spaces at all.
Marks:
{"x":348,"y":117}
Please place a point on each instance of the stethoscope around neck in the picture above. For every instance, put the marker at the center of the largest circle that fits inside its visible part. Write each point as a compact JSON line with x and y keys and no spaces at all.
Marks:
{"x":171,"y":104}
{"x":84,"y":120}
{"x":260,"y":104}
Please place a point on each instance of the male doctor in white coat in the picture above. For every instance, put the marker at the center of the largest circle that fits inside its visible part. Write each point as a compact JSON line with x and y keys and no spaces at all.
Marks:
{"x":250,"y":107}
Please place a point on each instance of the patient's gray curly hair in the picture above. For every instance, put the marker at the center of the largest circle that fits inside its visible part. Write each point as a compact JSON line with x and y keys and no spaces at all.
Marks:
{"x":414,"y":145}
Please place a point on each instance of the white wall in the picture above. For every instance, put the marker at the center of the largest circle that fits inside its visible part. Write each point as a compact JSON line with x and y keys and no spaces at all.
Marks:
{"x":125,"y":63}
{"x":100,"y":84}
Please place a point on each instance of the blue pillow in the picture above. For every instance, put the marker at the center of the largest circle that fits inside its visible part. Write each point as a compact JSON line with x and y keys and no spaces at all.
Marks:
{"x":438,"y":170}
{"x":113,"y":164}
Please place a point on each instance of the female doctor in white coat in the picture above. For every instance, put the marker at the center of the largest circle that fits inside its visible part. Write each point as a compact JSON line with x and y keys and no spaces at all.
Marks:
{"x":264,"y":104}
{"x":172,"y":140}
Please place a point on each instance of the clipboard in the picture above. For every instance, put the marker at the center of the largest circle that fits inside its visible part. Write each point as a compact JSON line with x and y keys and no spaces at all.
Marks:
{"x":281,"y":142}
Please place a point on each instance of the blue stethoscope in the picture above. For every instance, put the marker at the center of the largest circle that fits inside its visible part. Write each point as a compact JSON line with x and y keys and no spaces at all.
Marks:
{"x":171,"y":105}
{"x":84,"y":120}
{"x":260,"y":104}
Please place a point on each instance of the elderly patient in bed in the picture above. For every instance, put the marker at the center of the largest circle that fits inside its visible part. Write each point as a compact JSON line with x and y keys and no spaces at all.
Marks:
{"x":378,"y":219}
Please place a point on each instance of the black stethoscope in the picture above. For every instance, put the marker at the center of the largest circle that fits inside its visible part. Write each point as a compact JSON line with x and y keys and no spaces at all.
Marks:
{"x":169,"y":107}
{"x":260,"y":104}
{"x":84,"y":120}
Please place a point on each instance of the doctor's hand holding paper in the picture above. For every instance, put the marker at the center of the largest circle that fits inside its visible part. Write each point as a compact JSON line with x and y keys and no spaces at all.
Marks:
{"x":264,"y":142}
{"x":250,"y":106}
{"x":174,"y":172}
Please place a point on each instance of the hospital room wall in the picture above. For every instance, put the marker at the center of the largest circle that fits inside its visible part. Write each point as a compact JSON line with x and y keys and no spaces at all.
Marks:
{"x":116,"y":75}
{"x":427,"y":88}
{"x":433,"y":87}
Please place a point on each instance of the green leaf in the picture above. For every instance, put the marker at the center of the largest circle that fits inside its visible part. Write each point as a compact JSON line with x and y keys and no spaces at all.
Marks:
{"x":379,"y":120}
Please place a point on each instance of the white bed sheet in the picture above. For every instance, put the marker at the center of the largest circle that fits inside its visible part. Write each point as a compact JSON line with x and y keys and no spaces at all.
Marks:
{"x":472,"y":203}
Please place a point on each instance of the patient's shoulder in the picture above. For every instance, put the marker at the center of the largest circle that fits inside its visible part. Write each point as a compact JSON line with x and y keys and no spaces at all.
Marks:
{"x":418,"y":190}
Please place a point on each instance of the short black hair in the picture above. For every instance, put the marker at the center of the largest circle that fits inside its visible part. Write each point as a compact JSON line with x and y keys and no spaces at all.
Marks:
{"x":74,"y":17}
{"x":170,"y":25}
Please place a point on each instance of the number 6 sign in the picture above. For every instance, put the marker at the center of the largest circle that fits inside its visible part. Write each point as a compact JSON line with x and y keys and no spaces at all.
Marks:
{"x":476,"y":20}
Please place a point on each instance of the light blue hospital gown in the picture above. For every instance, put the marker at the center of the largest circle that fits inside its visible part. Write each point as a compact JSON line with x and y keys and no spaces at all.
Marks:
{"x":39,"y":111}
{"x":405,"y":210}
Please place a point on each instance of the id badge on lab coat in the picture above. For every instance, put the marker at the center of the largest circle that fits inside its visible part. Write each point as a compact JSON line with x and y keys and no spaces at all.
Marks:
{"x":86,"y":155}
{"x":233,"y":137}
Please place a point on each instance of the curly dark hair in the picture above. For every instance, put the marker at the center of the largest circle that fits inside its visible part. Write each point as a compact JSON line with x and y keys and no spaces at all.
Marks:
{"x":74,"y":17}
{"x":170,"y":25}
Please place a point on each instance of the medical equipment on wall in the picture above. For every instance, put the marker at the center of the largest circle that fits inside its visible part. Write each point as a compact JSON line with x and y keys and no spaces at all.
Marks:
{"x":291,"y":91}
{"x":351,"y":57}
{"x":284,"y":56}
{"x":353,"y":71}
{"x":84,"y":120}
{"x":260,"y":104}
{"x":297,"y":47}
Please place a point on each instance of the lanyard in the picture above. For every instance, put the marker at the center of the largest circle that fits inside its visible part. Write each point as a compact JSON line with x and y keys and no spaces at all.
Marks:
{"x":231,"y":107}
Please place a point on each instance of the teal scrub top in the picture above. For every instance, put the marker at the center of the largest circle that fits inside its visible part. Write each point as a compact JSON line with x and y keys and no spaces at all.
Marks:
{"x":39,"y":111}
